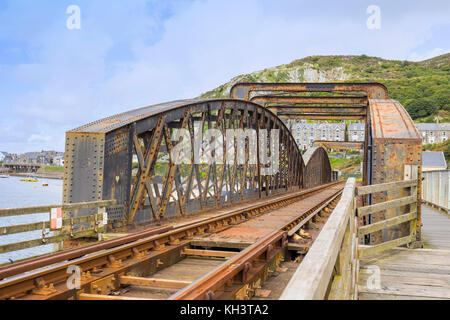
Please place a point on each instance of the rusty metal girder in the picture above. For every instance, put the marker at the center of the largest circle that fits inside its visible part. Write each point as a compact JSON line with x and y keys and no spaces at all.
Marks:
{"x":358,"y":109}
{"x":339,"y":145}
{"x":317,"y":167}
{"x":395,"y":143}
{"x":267,"y":100}
{"x":323,"y":116}
{"x":373,"y":90}
{"x":100,"y":157}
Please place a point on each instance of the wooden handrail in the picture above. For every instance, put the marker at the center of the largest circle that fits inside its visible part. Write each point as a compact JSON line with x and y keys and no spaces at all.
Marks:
{"x":363,"y":211}
{"x":66,"y":207}
{"x":65,"y":233}
{"x":312,"y":278}
{"x":362,"y":190}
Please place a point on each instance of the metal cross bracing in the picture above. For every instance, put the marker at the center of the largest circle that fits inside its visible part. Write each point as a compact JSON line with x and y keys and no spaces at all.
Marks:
{"x":341,"y":107}
{"x":391,"y":140}
{"x":99,"y":159}
{"x":316,"y":101}
{"x":373,"y":90}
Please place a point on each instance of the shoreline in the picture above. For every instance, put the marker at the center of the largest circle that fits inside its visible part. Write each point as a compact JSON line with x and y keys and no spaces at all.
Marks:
{"x":46,"y":175}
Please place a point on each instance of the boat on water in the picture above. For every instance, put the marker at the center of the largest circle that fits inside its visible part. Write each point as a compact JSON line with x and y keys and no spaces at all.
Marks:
{"x":3,"y":177}
{"x":29,"y":180}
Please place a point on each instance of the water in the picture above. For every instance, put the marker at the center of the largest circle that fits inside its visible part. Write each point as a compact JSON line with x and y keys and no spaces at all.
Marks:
{"x":15,"y":193}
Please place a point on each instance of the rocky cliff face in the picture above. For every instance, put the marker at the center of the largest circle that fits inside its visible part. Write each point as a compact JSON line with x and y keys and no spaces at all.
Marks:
{"x":306,"y":72}
{"x":422,"y":87}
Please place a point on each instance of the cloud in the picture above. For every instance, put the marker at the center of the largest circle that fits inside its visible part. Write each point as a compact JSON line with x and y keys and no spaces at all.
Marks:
{"x":38,"y":138}
{"x":132,"y":54}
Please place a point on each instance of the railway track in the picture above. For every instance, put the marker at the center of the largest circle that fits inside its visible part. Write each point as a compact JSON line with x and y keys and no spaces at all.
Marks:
{"x":228,"y":256}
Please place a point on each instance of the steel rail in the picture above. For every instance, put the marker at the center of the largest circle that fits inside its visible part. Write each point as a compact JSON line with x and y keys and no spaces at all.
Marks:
{"x":206,"y":287}
{"x":248,"y":263}
{"x":39,"y":262}
{"x":138,"y":252}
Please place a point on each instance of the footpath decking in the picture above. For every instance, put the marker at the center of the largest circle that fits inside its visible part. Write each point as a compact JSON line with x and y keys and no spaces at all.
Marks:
{"x":402,"y":273}
{"x":436,"y":229}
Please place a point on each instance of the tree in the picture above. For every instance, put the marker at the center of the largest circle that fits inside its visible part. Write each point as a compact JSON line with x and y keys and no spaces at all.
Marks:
{"x":421,"y":107}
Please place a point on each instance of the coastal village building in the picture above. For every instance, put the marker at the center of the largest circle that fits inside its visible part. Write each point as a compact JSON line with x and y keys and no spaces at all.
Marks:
{"x":356,"y":131}
{"x":306,"y":133}
{"x":58,"y":161}
{"x":43,"y":158}
{"x":432,"y":161}
{"x":3,"y":155}
{"x":433,"y":132}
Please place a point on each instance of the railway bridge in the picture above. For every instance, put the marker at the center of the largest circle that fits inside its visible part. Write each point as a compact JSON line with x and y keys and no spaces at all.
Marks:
{"x":212,"y":199}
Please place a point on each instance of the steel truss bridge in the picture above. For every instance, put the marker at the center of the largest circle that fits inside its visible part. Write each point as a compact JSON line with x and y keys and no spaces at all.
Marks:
{"x":235,"y":207}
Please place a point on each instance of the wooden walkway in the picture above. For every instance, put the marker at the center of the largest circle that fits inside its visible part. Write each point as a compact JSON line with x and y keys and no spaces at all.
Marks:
{"x":402,"y":273}
{"x":436,"y":228}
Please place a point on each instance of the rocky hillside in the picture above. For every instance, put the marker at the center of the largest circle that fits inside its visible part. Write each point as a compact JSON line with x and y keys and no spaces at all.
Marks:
{"x":422,"y":87}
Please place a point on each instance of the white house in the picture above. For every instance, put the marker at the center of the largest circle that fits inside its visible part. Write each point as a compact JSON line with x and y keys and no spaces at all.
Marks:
{"x":2,"y":155}
{"x":58,"y":161}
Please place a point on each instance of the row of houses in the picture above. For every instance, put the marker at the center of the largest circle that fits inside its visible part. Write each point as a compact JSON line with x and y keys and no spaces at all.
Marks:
{"x":433,"y":132}
{"x":305,"y":133}
{"x":43,"y":158}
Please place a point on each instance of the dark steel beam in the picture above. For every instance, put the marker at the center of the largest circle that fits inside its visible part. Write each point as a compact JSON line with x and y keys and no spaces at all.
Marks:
{"x":339,"y":145}
{"x":285,"y":100}
{"x":373,"y":90}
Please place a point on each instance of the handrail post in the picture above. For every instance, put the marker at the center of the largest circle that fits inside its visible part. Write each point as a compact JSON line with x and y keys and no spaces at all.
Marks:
{"x":412,"y":172}
{"x":355,"y":263}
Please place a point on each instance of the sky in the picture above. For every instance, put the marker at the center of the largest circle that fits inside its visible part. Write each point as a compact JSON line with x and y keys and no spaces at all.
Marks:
{"x":55,"y":76}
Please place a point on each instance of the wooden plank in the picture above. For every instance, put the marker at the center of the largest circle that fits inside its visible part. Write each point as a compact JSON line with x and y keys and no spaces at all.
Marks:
{"x":293,"y":246}
{"x":340,"y":288}
{"x":386,"y":223}
{"x":362,"y":190}
{"x":66,"y":207}
{"x":310,"y":216}
{"x":392,"y":296}
{"x":45,"y":224}
{"x":412,"y":278}
{"x":153,"y":282}
{"x":370,"y":250}
{"x":363,"y":211}
{"x":208,"y":253}
{"x":435,"y":229}
{"x":38,"y":242}
{"x":220,"y":244}
{"x":88,"y":296}
{"x":410,"y":290}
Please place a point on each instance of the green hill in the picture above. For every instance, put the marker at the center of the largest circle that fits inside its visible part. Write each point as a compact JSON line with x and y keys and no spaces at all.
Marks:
{"x":422,"y":87}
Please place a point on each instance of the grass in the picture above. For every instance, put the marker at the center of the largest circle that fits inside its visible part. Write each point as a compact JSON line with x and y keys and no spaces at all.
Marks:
{"x":51,"y":169}
{"x":346,"y":166}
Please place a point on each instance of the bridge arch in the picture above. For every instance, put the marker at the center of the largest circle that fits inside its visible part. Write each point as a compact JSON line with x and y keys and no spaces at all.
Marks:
{"x":317,"y":167}
{"x":130,"y":157}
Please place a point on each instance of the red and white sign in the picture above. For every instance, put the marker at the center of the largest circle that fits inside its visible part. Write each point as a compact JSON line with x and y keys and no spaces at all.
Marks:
{"x":55,"y":218}
{"x":104,"y":222}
